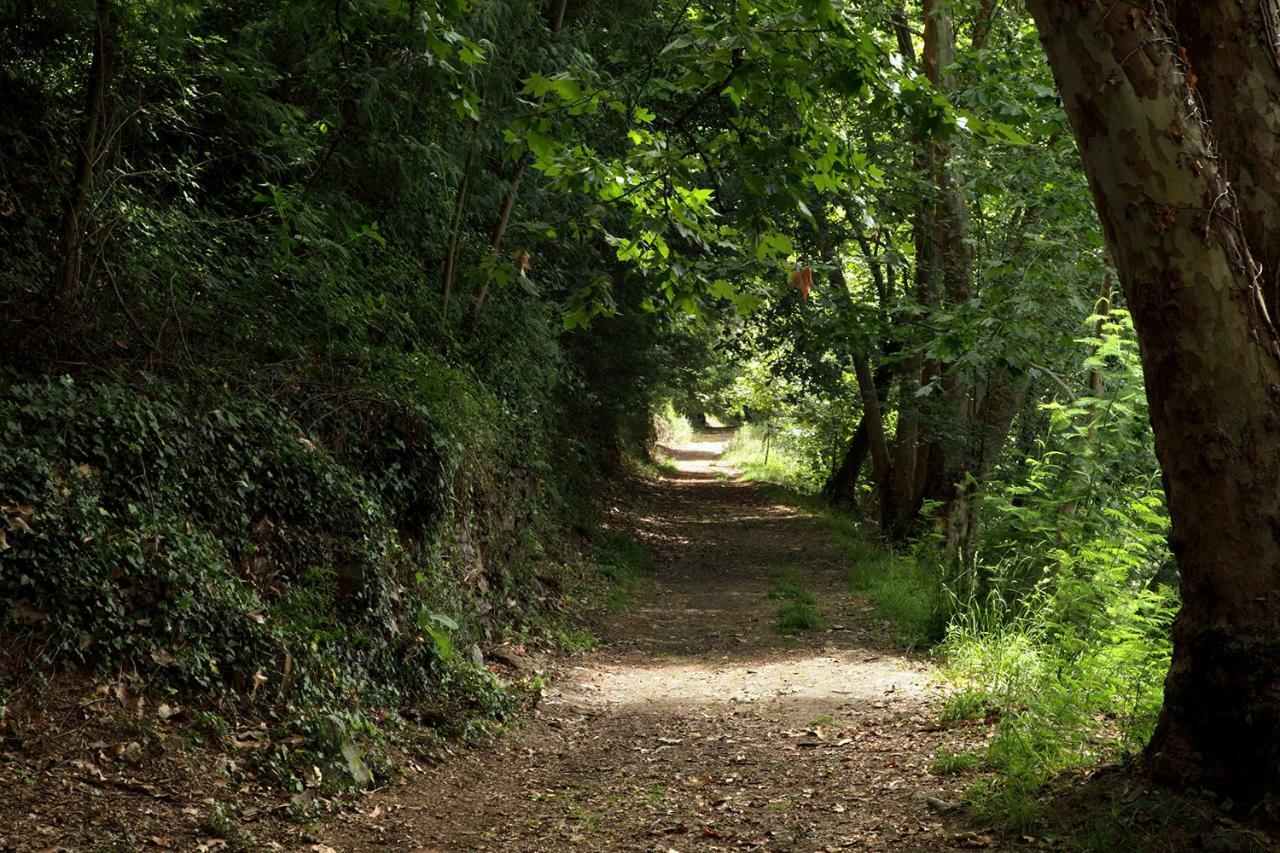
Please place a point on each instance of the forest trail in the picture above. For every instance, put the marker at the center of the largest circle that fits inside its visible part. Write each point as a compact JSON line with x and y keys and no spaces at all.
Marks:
{"x":695,"y":725}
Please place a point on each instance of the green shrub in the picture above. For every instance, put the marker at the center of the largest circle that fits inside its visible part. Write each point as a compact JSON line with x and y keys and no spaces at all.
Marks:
{"x":671,"y":427}
{"x":798,"y":611}
{"x":795,"y":617}
{"x":949,"y":762}
{"x":200,"y":537}
{"x":771,"y":453}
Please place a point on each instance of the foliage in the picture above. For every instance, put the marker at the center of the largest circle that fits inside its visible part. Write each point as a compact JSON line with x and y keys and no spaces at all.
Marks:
{"x":267,"y":441}
{"x":1058,"y":629}
{"x":623,"y":563}
{"x":773,"y":452}
{"x":325,"y":323}
{"x":948,"y":762}
{"x":671,"y":428}
{"x":797,"y":611}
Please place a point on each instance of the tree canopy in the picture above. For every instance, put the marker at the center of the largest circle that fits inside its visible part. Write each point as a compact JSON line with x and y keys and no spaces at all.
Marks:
{"x":326,"y":325}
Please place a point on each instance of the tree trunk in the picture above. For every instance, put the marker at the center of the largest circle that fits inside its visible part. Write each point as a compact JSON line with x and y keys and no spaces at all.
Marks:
{"x":455,"y":237}
{"x":1231,"y":47}
{"x":499,"y":231}
{"x":513,"y":189}
{"x":989,"y":432}
{"x":1212,"y":377}
{"x":68,"y":287}
{"x":841,"y":489}
{"x":880,"y":465}
{"x":945,"y":463}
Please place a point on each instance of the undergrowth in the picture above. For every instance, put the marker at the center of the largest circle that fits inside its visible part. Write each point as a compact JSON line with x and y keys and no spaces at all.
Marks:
{"x":198,"y":541}
{"x":671,"y":428}
{"x":798,"y":606}
{"x":1063,"y":649}
{"x":768,"y":453}
{"x":623,"y":564}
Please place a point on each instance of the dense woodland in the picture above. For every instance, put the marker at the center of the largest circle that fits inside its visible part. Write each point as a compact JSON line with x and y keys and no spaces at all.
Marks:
{"x":328,"y":328}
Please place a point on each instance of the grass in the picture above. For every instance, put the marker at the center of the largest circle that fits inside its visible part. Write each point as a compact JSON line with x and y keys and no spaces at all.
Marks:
{"x":900,"y":589}
{"x":656,"y":794}
{"x":656,"y":467}
{"x":623,"y":563}
{"x":746,"y":452}
{"x":1069,"y":679}
{"x":966,"y":705}
{"x":796,"y":617}
{"x":951,"y":763}
{"x":221,"y":821}
{"x":798,"y":611}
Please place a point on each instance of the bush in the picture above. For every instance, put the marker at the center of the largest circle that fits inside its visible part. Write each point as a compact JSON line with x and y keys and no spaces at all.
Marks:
{"x":671,"y":427}
{"x":198,"y":536}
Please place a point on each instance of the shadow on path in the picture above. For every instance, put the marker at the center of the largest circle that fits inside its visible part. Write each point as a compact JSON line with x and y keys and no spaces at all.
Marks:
{"x":695,"y":724}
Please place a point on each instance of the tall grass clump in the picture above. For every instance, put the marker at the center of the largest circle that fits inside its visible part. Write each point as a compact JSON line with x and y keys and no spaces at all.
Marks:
{"x":905,"y":591}
{"x":798,"y":606}
{"x":1066,"y":692}
{"x":1060,"y":621}
{"x":773,"y":452}
{"x":671,"y":427}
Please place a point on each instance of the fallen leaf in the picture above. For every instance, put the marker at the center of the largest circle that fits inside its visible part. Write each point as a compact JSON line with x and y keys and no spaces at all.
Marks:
{"x":522,"y":260}
{"x":802,"y":280}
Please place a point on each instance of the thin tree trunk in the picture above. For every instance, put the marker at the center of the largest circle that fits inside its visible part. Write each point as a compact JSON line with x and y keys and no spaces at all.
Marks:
{"x":513,"y":188}
{"x":906,"y":453}
{"x":983,"y":22}
{"x":1212,"y":377}
{"x":455,"y":236}
{"x":69,"y":287}
{"x":841,"y":489}
{"x":991,"y":424}
{"x":499,"y":231}
{"x":880,"y":464}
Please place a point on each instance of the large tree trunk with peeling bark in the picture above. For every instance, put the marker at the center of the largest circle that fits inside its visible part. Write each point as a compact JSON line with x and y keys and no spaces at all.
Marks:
{"x":1231,"y":47}
{"x":1212,"y":376}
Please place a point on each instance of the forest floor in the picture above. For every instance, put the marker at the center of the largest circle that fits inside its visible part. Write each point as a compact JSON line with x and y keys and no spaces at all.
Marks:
{"x":696,"y":725}
{"x":693,"y":725}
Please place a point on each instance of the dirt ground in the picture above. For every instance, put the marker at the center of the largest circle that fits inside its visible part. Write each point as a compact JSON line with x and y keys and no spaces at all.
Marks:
{"x":695,"y":725}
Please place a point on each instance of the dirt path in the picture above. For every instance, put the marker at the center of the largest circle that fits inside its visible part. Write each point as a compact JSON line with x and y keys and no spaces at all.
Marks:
{"x":695,"y":725}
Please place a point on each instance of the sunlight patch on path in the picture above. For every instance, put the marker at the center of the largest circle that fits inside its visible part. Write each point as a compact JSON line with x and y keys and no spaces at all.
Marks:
{"x":830,"y":676}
